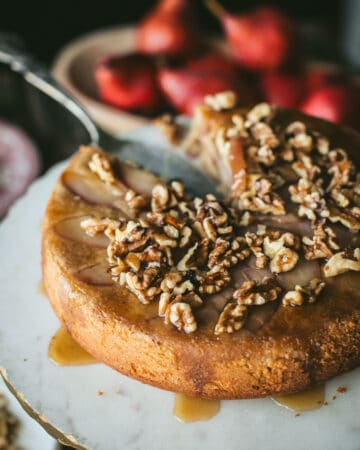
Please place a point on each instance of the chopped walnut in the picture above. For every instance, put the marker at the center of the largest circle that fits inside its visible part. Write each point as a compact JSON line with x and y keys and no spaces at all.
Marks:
{"x":93,"y":226}
{"x":253,"y":293}
{"x":221,"y":101}
{"x":280,"y":250}
{"x":305,"y":168}
{"x":299,"y":138}
{"x":306,"y":294}
{"x":311,"y":197}
{"x":231,"y":319}
{"x":180,"y":315}
{"x":258,"y":113}
{"x":349,"y":217}
{"x":214,"y":280}
{"x":255,"y":242}
{"x":340,"y":168}
{"x":341,"y":262}
{"x":135,"y":201}
{"x":321,"y":245}
{"x":259,"y":197}
{"x":228,"y":253}
{"x":100,"y":165}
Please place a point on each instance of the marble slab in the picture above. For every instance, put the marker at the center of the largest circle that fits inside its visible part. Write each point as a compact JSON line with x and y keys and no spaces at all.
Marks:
{"x":130,"y":415}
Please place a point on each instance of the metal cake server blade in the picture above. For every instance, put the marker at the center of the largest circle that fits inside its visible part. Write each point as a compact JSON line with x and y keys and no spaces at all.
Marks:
{"x":61,"y":121}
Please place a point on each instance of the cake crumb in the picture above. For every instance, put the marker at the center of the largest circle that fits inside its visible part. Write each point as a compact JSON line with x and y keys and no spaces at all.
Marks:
{"x":8,"y":426}
{"x":297,"y":414}
{"x":100,"y":393}
{"x":341,"y":389}
{"x":326,"y":403}
{"x":334,"y":397}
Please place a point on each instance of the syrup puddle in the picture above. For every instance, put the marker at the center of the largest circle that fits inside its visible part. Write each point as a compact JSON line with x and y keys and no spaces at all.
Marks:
{"x":65,"y":351}
{"x":310,"y":399}
{"x":190,"y":409}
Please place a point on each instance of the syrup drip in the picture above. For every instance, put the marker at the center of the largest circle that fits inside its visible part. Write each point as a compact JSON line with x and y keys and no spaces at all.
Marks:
{"x":41,"y":288}
{"x":302,"y":401}
{"x":190,"y":409}
{"x":65,"y":351}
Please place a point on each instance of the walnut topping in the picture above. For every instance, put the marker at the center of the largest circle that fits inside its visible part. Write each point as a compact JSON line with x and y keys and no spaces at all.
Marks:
{"x":258,"y":113}
{"x":231,"y":319}
{"x":321,"y":245}
{"x":180,"y":250}
{"x":311,"y":197}
{"x":306,"y":294}
{"x":349,"y":217}
{"x":276,"y":247}
{"x":221,"y":101}
{"x":252,"y":293}
{"x":281,"y":251}
{"x":305,"y":168}
{"x":284,"y":260}
{"x":258,"y":196}
{"x":339,"y":168}
{"x":135,"y":201}
{"x":101,"y":166}
{"x":214,"y":280}
{"x":228,"y":253}
{"x":93,"y":226}
{"x":341,"y":262}
{"x":180,"y":315}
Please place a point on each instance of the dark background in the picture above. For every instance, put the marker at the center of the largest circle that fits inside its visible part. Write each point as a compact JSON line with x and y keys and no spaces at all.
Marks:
{"x":46,"y":26}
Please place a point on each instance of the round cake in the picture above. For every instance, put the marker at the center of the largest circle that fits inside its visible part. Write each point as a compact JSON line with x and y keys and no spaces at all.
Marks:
{"x":251,"y":293}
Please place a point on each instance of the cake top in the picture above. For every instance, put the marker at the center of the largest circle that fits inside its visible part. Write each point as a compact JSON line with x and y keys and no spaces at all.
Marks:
{"x":292,"y":199}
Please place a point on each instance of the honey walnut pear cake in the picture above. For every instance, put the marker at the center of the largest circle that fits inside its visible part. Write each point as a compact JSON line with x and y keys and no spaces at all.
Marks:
{"x":254,"y":295}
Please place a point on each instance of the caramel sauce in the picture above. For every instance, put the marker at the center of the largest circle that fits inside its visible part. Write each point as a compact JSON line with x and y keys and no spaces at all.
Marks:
{"x":41,"y":288}
{"x":65,"y":351}
{"x":191,"y":409}
{"x":302,"y":401}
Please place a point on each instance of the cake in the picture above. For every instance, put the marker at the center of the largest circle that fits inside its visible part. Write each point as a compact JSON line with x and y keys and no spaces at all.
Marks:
{"x":251,"y":293}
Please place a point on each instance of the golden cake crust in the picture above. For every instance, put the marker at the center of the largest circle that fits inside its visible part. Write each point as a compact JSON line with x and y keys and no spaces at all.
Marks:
{"x":294,"y":349}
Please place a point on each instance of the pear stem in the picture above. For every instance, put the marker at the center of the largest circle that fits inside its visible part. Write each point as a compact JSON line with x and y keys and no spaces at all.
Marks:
{"x":216,"y":8}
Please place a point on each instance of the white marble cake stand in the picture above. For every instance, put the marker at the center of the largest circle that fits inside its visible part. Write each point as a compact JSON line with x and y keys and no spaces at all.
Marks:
{"x":130,"y":415}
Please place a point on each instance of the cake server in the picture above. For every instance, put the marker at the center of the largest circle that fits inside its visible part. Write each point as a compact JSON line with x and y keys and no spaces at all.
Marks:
{"x":60,"y":124}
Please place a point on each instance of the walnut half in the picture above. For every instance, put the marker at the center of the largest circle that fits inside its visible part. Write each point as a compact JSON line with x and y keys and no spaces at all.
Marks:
{"x":341,"y":262}
{"x":231,"y":319}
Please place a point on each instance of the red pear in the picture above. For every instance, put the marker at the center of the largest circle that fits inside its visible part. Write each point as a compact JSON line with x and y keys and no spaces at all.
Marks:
{"x":213,"y":62}
{"x":168,"y":30}
{"x":261,"y":39}
{"x":129,"y":82}
{"x":284,"y":89}
{"x":186,"y":88}
{"x":338,"y":103}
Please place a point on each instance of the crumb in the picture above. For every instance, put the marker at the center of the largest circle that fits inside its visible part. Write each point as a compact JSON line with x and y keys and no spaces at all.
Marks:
{"x":297,"y":414}
{"x":319,"y":402}
{"x":341,"y":389}
{"x":100,"y":393}
{"x":334,"y":397}
{"x":326,"y":403}
{"x":8,"y":426}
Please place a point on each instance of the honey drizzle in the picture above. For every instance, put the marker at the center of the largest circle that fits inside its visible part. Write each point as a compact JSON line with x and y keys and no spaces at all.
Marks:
{"x":191,"y":409}
{"x":310,"y":399}
{"x":65,"y":351}
{"x":41,"y":288}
